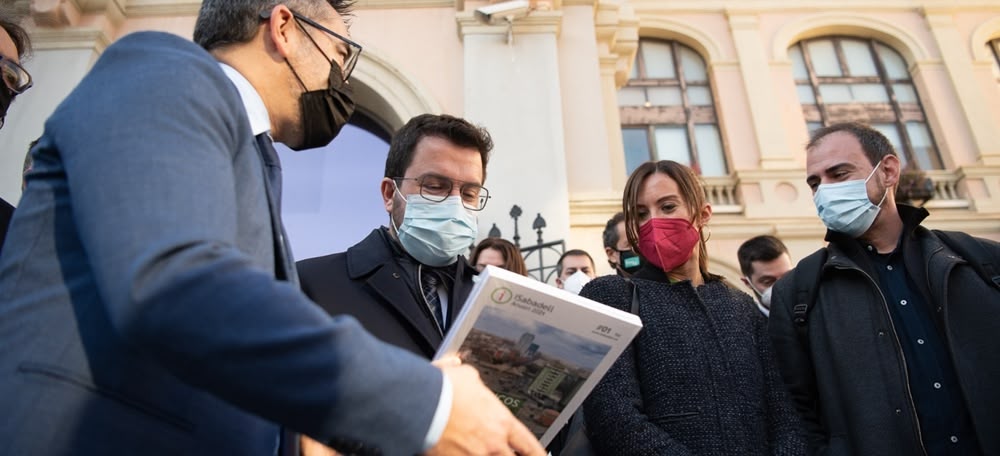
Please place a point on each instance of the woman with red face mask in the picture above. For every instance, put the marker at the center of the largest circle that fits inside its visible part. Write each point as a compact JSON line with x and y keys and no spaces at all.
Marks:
{"x":700,"y":378}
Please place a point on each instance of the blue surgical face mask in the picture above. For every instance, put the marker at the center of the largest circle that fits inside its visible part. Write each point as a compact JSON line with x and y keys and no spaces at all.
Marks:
{"x":435,"y":234}
{"x":845,"y":208}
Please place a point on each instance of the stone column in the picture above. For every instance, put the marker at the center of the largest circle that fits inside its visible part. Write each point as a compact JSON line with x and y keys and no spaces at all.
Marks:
{"x":981,"y":121}
{"x":512,"y":87}
{"x":764,"y":112}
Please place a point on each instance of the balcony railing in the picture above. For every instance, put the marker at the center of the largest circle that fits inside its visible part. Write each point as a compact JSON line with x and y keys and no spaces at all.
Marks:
{"x":722,"y":195}
{"x":947,"y":194}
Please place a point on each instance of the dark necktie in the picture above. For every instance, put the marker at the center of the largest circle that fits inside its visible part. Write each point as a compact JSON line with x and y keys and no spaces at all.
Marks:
{"x":272,"y":167}
{"x":283,"y":265}
{"x":429,"y":283}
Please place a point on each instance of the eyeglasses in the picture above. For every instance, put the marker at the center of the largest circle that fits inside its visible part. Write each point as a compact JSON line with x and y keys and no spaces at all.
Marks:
{"x":14,"y":76}
{"x":353,"y":48}
{"x":438,"y":188}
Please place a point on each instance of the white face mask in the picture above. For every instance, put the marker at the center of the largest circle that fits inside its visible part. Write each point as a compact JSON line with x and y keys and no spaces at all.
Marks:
{"x":765,"y":297}
{"x":575,"y":282}
{"x":845,"y":208}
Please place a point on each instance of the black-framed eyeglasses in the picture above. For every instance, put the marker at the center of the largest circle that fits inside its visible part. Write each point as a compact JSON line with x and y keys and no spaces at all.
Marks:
{"x":353,"y":48}
{"x":15,"y":77}
{"x":438,"y":188}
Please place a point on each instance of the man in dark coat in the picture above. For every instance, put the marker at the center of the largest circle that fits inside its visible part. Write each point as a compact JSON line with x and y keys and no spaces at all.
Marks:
{"x":406,"y":283}
{"x":898,"y":354}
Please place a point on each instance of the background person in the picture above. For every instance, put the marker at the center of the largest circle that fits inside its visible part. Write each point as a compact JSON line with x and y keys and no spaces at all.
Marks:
{"x":14,"y":45}
{"x":700,"y":376}
{"x":574,"y":269}
{"x":500,"y":253}
{"x":621,"y":258}
{"x":763,"y":260}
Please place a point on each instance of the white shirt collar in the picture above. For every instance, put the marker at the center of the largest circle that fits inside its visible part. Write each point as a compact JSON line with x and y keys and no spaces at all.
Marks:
{"x":260,"y":122}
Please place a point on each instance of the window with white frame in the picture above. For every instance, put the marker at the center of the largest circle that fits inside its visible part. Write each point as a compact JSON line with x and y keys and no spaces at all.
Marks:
{"x":667,"y":110}
{"x":841,"y":79}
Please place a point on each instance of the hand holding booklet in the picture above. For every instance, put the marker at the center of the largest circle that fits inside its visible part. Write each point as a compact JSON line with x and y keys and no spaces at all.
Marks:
{"x":540,"y":349}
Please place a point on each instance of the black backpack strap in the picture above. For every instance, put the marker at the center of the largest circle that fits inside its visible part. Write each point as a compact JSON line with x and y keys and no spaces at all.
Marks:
{"x":972,"y":251}
{"x":807,"y":277}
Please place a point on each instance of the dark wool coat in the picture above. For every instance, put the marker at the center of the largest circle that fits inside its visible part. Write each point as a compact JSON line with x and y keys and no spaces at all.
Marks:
{"x":699,"y":379}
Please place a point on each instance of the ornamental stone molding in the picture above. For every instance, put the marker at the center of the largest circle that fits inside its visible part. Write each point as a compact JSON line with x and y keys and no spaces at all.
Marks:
{"x":68,"y":13}
{"x":821,"y":24}
{"x":617,"y":30}
{"x":985,"y":32}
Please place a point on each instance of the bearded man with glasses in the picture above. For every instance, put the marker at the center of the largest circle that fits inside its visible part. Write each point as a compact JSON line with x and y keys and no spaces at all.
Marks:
{"x":407,"y":281}
{"x":14,"y":44}
{"x":150,"y":300}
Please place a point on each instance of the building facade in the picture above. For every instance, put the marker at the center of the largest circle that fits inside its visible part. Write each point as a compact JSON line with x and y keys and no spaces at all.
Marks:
{"x":577,"y":92}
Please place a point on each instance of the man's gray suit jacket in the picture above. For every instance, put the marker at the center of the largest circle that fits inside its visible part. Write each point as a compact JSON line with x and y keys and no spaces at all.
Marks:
{"x":139,"y":313}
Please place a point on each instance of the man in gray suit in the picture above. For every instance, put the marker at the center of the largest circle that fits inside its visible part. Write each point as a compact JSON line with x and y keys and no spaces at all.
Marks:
{"x":148,"y":300}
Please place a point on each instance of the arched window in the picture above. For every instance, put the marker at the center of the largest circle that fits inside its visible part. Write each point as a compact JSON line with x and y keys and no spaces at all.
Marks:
{"x":995,"y":51}
{"x":853,"y":79}
{"x":667,"y":111}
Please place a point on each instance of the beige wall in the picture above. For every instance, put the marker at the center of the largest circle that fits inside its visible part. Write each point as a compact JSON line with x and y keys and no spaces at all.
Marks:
{"x":557,"y":123}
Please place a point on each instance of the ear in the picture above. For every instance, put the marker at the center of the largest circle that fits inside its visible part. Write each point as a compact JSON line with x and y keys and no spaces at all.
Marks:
{"x":704,"y":215}
{"x":746,"y":282}
{"x":890,"y":170}
{"x":559,"y":282}
{"x":280,"y":23}
{"x":388,"y":189}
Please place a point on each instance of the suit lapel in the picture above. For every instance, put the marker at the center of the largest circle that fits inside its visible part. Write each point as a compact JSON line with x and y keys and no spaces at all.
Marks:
{"x":389,"y":283}
{"x":372,"y":261}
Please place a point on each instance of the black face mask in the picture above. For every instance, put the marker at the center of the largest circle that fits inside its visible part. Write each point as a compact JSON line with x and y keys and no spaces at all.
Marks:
{"x":6,"y":97}
{"x":324,"y":112}
{"x":628,"y":261}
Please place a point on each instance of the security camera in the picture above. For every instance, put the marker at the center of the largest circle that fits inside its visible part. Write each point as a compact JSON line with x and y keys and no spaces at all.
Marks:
{"x":509,"y":11}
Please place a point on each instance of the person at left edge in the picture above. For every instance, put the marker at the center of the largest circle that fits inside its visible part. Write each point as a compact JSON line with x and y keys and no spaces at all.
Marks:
{"x":14,"y":45}
{"x":149,"y":303}
{"x":432,"y":191}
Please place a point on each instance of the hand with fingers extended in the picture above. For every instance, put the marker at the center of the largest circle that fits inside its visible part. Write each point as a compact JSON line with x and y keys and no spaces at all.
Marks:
{"x":479,"y":423}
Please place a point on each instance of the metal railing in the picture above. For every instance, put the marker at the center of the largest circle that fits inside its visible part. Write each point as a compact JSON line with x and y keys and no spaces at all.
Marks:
{"x":546,"y":266}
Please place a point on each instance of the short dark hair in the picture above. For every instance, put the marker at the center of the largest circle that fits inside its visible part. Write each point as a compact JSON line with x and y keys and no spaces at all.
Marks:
{"x":224,"y":22}
{"x":611,"y":231}
{"x":10,"y":23}
{"x":569,"y":253}
{"x":456,"y":130}
{"x":759,"y":248}
{"x":873,"y":142}
{"x":511,"y":254}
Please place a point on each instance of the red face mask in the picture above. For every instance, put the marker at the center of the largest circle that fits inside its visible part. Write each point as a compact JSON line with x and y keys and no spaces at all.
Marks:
{"x":667,"y":242}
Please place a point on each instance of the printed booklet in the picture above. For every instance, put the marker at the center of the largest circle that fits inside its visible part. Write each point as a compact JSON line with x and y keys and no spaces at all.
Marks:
{"x":540,"y":349}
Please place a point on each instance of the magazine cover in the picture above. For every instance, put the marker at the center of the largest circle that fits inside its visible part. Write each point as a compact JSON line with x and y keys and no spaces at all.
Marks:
{"x":539,"y":348}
